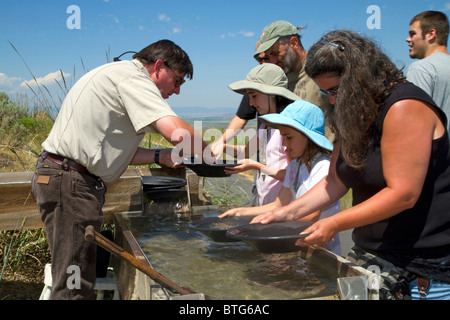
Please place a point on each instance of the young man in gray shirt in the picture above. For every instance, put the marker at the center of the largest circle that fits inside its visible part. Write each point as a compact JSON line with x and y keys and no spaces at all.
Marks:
{"x":428,"y":35}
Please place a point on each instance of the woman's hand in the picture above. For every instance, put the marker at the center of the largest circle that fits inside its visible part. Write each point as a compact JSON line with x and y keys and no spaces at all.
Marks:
{"x":278,"y":214}
{"x":321,"y":233}
{"x":217,"y":149}
{"x":231,"y":213}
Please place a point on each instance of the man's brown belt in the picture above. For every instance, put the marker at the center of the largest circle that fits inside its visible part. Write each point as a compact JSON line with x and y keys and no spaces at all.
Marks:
{"x":67,"y":163}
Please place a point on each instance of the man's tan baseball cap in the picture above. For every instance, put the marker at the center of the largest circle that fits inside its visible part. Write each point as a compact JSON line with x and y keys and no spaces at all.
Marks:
{"x":273,"y":32}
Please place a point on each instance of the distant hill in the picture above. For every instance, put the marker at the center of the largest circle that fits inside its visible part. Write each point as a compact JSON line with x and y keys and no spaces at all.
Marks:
{"x":210,"y":117}
{"x":201,"y":111}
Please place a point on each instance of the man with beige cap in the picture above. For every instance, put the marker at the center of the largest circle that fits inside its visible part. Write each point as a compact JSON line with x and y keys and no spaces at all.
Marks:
{"x":282,"y":44}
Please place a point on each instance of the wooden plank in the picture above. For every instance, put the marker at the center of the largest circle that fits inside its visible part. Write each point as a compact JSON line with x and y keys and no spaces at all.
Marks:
{"x":124,"y":195}
{"x":163,"y":172}
{"x":16,"y":176}
{"x":197,"y":194}
{"x":132,"y":283}
{"x":18,"y":207}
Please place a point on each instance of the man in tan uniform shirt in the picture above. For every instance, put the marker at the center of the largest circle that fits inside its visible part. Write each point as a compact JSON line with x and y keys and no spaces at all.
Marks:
{"x":95,"y":137}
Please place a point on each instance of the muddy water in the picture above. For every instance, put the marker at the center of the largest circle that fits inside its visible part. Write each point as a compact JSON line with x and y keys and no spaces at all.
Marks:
{"x":225,"y":270}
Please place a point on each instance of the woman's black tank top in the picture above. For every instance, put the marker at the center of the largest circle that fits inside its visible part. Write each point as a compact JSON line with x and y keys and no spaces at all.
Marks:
{"x":422,"y":228}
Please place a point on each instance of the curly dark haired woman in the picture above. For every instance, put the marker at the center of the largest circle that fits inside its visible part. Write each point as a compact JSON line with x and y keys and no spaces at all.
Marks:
{"x":392,"y":150}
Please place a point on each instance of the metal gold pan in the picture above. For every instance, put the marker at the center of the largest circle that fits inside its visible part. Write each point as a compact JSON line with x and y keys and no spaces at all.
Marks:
{"x":274,"y":237}
{"x":216,"y":228}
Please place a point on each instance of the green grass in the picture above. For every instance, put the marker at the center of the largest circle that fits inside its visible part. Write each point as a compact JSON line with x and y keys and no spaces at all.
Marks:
{"x":21,"y":248}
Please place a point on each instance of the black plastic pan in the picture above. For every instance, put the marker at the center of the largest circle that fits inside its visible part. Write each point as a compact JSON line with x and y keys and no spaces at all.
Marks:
{"x":274,"y":237}
{"x":216,"y":228}
{"x":210,"y":170}
{"x":152,"y":183}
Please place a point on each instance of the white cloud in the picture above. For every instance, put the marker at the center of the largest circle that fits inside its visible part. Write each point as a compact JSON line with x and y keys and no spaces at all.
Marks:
{"x":6,"y":81}
{"x":247,"y":33}
{"x":228,"y":35}
{"x":176,"y":30}
{"x":116,"y":20}
{"x":446,"y":7}
{"x":163,"y":17}
{"x":242,"y":33}
{"x":49,"y":79}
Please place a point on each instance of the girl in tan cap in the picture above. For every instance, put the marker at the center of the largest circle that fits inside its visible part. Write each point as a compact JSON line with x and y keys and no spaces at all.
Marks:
{"x":266,"y":86}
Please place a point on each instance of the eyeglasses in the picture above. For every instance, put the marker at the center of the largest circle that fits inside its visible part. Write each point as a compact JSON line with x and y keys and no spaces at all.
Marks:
{"x":179,"y":80}
{"x":262,"y":59}
{"x":330,"y":92}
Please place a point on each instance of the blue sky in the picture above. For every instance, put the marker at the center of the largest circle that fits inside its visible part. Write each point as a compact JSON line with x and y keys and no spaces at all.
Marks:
{"x":219,"y":36}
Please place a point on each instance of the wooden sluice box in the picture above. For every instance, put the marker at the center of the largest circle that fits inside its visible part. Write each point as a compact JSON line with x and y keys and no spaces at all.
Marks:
{"x":18,"y":210}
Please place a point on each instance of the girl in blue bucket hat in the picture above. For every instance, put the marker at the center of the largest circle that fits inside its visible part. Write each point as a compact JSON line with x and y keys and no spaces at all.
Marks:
{"x":302,"y":126}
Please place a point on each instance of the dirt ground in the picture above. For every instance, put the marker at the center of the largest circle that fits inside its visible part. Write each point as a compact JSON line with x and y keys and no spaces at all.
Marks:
{"x":26,"y":284}
{"x":23,"y":274}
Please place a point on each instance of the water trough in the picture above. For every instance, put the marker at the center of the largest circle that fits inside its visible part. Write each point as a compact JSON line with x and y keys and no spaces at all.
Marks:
{"x":127,"y":208}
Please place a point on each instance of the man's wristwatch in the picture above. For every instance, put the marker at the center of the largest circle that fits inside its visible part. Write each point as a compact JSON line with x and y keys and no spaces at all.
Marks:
{"x":156,"y":160}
